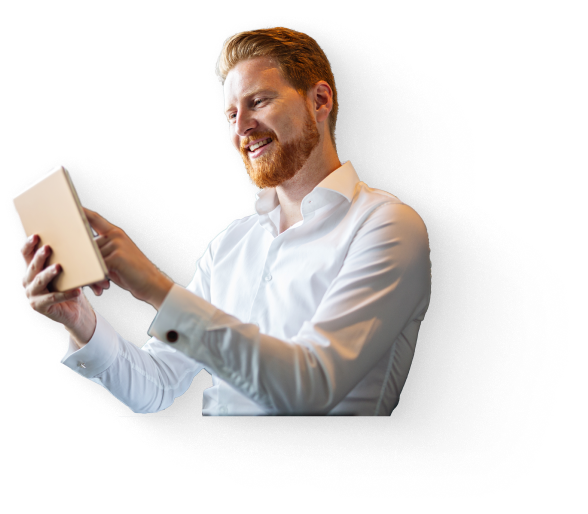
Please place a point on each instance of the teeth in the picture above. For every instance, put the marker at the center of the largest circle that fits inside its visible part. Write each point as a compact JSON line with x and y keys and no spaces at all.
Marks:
{"x":254,"y":147}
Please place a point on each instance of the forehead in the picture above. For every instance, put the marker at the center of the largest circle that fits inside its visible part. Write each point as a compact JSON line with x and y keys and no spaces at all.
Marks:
{"x":252,"y":75}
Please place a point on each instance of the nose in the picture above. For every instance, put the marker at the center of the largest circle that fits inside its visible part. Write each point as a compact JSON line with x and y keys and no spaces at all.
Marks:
{"x":244,"y":123}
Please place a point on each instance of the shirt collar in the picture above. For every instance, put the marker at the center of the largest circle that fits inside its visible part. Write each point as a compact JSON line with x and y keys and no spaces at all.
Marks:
{"x":343,"y":181}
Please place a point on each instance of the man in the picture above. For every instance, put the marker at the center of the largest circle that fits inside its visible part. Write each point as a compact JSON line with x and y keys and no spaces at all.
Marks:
{"x":310,"y":306}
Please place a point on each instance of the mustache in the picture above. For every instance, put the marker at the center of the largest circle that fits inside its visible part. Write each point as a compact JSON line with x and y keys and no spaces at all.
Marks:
{"x":255,"y":136}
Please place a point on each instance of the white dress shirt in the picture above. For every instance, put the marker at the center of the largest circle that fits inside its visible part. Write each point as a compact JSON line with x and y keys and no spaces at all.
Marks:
{"x":320,"y":319}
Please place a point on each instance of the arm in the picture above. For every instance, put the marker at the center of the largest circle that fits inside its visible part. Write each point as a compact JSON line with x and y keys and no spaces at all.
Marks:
{"x":383,"y":286}
{"x":145,"y":380}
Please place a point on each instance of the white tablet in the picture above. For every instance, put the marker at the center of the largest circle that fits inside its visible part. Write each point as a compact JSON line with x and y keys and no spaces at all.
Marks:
{"x":51,"y":208}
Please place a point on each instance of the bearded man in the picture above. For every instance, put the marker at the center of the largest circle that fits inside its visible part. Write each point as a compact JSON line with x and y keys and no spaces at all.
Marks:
{"x":312,"y":305}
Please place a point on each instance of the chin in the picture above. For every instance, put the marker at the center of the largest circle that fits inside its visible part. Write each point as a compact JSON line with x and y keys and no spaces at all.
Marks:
{"x":264,"y":175}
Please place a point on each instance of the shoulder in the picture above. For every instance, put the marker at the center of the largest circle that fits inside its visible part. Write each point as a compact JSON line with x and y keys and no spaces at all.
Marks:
{"x":376,"y":207}
{"x":390,"y":231}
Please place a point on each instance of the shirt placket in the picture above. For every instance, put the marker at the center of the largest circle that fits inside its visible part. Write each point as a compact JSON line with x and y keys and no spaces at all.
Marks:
{"x":258,"y":314}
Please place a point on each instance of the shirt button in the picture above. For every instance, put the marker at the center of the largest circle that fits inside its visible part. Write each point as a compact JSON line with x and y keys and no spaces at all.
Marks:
{"x":171,"y":336}
{"x":223,"y":410}
{"x":268,"y":277}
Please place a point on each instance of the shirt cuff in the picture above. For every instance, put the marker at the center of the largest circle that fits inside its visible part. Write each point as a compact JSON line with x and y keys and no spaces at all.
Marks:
{"x":182,"y":319}
{"x":97,"y":355}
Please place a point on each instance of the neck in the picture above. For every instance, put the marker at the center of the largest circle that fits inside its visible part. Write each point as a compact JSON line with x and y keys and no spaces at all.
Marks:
{"x":321,"y":163}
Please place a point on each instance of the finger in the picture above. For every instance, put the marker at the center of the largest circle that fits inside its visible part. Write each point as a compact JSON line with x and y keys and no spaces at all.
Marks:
{"x":28,"y":249}
{"x":106,"y":244}
{"x":97,"y":290}
{"x":101,"y":240}
{"x":99,"y":287}
{"x":98,"y":223}
{"x":104,"y":284}
{"x":41,"y":281}
{"x":37,"y":264}
{"x":108,"y":248}
{"x":43,"y":303}
{"x":114,"y":277}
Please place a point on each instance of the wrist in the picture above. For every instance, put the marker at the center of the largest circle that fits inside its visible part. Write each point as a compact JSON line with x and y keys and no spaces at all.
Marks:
{"x":161,"y":287}
{"x":84,"y":328}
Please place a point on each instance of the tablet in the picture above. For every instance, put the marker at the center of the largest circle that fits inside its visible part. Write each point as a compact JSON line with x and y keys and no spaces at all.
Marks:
{"x":51,"y":208}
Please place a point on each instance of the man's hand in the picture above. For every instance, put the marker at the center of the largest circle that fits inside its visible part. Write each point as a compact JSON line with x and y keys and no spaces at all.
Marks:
{"x":127,"y":265}
{"x":70,"y":308}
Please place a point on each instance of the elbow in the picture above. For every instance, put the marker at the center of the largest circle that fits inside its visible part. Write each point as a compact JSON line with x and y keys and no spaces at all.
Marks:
{"x":147,"y":409}
{"x":311,"y":393}
{"x":153,"y":407}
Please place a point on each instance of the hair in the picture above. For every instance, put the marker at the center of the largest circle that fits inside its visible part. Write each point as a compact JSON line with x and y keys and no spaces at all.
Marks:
{"x":300,"y":59}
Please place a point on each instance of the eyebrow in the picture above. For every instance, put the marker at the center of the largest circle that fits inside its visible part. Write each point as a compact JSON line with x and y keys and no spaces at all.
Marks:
{"x":252,"y":92}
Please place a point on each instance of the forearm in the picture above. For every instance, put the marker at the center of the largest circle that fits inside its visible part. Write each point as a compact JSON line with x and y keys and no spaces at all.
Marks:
{"x":161,"y":284}
{"x":82,"y":329}
{"x":146,"y":380}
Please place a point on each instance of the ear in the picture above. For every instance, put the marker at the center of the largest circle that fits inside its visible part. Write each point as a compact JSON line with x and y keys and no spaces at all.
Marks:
{"x":321,"y":97}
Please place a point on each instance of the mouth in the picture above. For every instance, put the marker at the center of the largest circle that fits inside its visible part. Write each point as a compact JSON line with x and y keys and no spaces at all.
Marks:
{"x":257,"y":148}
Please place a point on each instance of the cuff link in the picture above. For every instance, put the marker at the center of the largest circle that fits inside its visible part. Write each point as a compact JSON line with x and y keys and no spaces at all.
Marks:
{"x":171,"y":336}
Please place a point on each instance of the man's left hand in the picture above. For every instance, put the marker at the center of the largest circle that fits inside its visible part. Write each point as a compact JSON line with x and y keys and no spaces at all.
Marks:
{"x":127,"y":266}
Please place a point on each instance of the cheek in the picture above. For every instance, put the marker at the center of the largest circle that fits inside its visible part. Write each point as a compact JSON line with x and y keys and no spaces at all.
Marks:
{"x":291,"y":124}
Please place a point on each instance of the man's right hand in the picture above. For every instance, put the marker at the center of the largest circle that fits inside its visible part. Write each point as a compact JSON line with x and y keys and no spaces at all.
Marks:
{"x":71,"y":308}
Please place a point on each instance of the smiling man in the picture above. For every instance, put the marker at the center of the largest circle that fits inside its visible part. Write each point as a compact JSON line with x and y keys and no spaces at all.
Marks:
{"x":268,"y":161}
{"x":312,"y":305}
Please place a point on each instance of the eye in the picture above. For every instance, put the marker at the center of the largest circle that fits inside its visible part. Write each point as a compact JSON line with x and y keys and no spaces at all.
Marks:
{"x":232,"y":116}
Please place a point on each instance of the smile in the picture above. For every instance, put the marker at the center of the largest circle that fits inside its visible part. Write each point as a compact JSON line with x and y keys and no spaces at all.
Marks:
{"x":255,"y":149}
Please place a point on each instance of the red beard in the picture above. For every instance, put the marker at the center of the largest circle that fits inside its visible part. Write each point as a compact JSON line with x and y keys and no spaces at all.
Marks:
{"x":285,"y":160}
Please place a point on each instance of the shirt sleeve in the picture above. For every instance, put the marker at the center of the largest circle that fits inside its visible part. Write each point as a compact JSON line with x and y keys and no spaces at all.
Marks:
{"x":383,"y":285}
{"x":146,"y":379}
